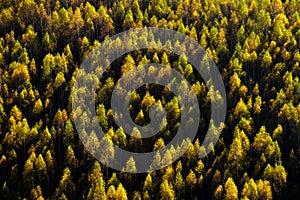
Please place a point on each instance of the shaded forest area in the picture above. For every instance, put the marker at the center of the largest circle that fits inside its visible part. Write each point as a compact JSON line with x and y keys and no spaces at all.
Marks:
{"x":256,"y":46}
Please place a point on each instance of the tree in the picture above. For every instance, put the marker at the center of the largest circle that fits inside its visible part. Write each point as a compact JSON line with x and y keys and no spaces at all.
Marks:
{"x":238,"y":151}
{"x":36,"y":193}
{"x":217,"y":177}
{"x":136,"y":195}
{"x":68,"y":53}
{"x":113,"y":180}
{"x":30,"y":41}
{"x":241,"y":110}
{"x":28,"y":171}
{"x":159,"y":144}
{"x":121,"y":192}
{"x":250,"y":190}
{"x":111,"y":193}
{"x":38,"y":107}
{"x":261,"y":140}
{"x":59,"y":80}
{"x":148,"y":185}
{"x":218,"y":192}
{"x":140,"y":118}
{"x":41,"y":168}
{"x":27,"y":13}
{"x":128,"y":20}
{"x":179,"y":185}
{"x":264,"y":190}
{"x":16,"y":113}
{"x":128,"y":65}
{"x":235,"y":83}
{"x":231,"y":191}
{"x":70,"y":159}
{"x":97,"y":183}
{"x":77,"y":22}
{"x":50,"y":164}
{"x":68,"y":134}
{"x":48,"y":66}
{"x":277,"y":176}
{"x":166,"y":191}
{"x":20,"y":74}
{"x":135,"y":141}
{"x":119,"y":138}
{"x":130,"y":165}
{"x":277,"y":133}
{"x":66,"y":185}
{"x":267,"y":59}
{"x":191,"y":181}
{"x":3,"y":116}
{"x":257,"y":105}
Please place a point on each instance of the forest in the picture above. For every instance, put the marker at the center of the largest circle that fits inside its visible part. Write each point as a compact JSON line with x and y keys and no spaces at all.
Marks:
{"x":254,"y":43}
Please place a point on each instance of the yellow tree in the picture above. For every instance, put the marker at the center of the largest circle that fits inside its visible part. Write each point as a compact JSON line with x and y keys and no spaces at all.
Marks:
{"x":231,"y":191}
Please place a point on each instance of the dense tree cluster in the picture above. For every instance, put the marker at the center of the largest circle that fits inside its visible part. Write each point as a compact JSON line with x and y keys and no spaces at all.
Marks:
{"x":255,"y":44}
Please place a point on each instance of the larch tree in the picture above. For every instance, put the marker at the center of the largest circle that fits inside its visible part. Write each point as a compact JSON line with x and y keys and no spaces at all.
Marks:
{"x":40,"y":167}
{"x":166,"y":191}
{"x":121,"y":193}
{"x":97,"y":183}
{"x":66,"y":185}
{"x":250,"y":190}
{"x":29,"y":172}
{"x":77,"y":22}
{"x":231,"y":191}
{"x":264,"y":190}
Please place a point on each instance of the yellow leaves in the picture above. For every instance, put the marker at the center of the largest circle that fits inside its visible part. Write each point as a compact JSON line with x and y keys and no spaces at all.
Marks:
{"x":231,"y":190}
{"x":241,"y":109}
{"x":191,"y":179}
{"x":148,"y":101}
{"x":257,"y":105}
{"x":218,"y":192}
{"x":289,"y":112}
{"x":159,"y":144}
{"x":267,"y":59}
{"x":243,"y":90}
{"x":16,"y":113}
{"x":167,"y":192}
{"x":235,"y":83}
{"x":59,"y":80}
{"x":29,"y":36}
{"x":236,"y":67}
{"x":121,"y":193}
{"x":38,"y":107}
{"x":40,"y":165}
{"x":264,"y":189}
{"x":20,"y":74}
{"x":139,"y":118}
